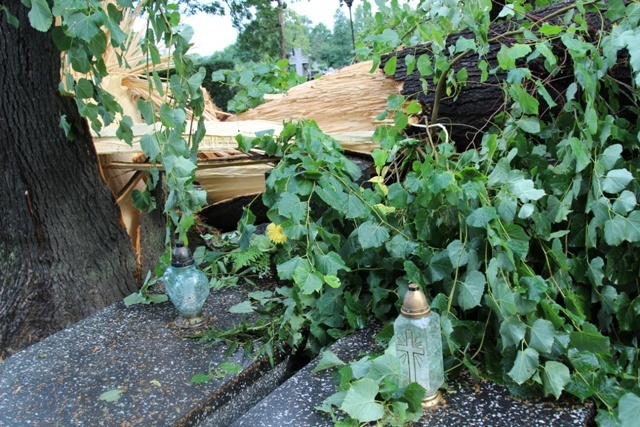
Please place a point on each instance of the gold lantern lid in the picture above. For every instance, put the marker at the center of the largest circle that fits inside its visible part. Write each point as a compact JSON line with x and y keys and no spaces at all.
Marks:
{"x":415,"y":305}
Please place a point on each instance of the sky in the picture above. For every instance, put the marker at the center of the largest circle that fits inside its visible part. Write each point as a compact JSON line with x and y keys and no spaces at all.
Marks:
{"x":213,"y":33}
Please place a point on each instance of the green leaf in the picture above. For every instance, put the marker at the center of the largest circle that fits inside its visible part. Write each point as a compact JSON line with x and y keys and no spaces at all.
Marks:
{"x":328,"y":360}
{"x":200,"y":378}
{"x":290,"y":206}
{"x":526,"y":211}
{"x":82,"y":26}
{"x":424,"y":65}
{"x":84,"y":89}
{"x":124,"y":131}
{"x":610,"y":156}
{"x":309,"y":281}
{"x":595,"y":271}
{"x":372,"y":235}
{"x":147,"y":111}
{"x":463,"y":44}
{"x":171,"y":117}
{"x":633,"y":227}
{"x":616,"y":180}
{"x":150,"y":146}
{"x":625,"y":203}
{"x":40,"y":15}
{"x":629,"y":410}
{"x":615,"y":230}
{"x":111,"y":395}
{"x":244,"y":307}
{"x":141,"y":199}
{"x":554,"y":377}
{"x":414,"y":107}
{"x":333,"y":281}
{"x":360,"y":403}
{"x":517,"y":240}
{"x":524,"y":189}
{"x":512,"y":331}
{"x":480,"y":217}
{"x":384,"y":367}
{"x":287,"y":268}
{"x":471,"y":290}
{"x":529,"y":124}
{"x":400,"y":247}
{"x":525,"y":365}
{"x":527,"y":102}
{"x":541,"y":335}
{"x":458,"y":254}
{"x":550,"y":30}
{"x":583,"y":158}
{"x":329,"y":263}
{"x":66,"y":126}
{"x":439,"y":266}
{"x":355,"y":207}
{"x":230,"y":368}
{"x":590,"y":340}
{"x":507,"y":206}
{"x":390,"y":66}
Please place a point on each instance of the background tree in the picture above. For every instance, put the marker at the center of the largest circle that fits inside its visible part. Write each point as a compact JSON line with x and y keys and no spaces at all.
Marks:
{"x":64,"y":253}
{"x":320,"y":36}
{"x":339,"y":51}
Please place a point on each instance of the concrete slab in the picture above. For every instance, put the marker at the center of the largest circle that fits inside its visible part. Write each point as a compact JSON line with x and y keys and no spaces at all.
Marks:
{"x":466,"y":402}
{"x":138,"y":350}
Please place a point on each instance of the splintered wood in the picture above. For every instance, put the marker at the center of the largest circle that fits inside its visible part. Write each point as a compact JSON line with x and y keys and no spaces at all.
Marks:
{"x":345,"y":101}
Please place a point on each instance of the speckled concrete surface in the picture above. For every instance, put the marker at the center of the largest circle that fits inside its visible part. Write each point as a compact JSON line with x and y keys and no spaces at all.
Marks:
{"x":466,"y":402}
{"x":138,"y":350}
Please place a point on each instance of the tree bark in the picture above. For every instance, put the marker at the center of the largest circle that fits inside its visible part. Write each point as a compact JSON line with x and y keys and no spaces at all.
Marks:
{"x":470,"y":112}
{"x":64,"y":253}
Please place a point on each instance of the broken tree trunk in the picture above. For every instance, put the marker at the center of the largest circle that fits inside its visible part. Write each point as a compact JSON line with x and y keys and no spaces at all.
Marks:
{"x":470,"y":112}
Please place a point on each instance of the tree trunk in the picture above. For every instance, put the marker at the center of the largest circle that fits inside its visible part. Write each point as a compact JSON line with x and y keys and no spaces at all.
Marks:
{"x":63,"y":252}
{"x":473,"y":109}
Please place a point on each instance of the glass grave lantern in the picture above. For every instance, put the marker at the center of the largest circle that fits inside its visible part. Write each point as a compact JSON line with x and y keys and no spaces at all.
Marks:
{"x":418,"y":343}
{"x":187,"y":287}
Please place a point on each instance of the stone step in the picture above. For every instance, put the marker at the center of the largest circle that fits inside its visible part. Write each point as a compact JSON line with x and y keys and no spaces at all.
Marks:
{"x":465,"y":402}
{"x":140,"y":352}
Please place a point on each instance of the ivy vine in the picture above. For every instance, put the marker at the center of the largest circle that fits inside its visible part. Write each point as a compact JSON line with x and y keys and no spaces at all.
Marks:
{"x":526,"y":244}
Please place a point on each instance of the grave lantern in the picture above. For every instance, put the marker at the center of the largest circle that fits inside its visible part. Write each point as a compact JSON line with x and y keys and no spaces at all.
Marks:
{"x":419,"y":345}
{"x":187,"y":287}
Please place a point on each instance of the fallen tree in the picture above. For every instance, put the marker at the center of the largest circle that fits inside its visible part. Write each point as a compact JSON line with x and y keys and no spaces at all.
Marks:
{"x":468,"y":94}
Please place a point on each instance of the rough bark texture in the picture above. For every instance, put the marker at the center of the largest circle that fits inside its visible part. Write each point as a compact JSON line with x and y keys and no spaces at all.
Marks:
{"x":63,"y":252}
{"x":470,"y":113}
{"x":152,"y":233}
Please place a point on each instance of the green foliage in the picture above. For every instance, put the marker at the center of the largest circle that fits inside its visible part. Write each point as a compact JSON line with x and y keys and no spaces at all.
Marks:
{"x":527,"y":245}
{"x":84,"y":31}
{"x":224,"y":370}
{"x":370,"y":391}
{"x":253,"y":81}
{"x":228,"y":261}
{"x":143,"y":296}
{"x":220,"y":93}
{"x":111,"y":395}
{"x":487,"y":231}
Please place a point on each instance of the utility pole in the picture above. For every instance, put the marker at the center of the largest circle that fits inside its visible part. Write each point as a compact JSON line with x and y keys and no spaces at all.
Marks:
{"x":283,"y":43}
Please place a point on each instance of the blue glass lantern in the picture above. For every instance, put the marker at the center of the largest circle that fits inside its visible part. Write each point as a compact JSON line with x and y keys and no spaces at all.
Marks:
{"x":187,"y":287}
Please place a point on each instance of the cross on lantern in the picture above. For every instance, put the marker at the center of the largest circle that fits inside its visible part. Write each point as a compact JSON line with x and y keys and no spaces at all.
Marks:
{"x":412,"y":350}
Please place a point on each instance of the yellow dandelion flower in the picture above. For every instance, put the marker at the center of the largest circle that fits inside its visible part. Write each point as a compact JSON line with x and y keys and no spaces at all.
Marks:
{"x":275,"y":233}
